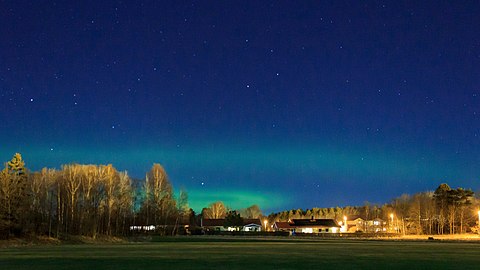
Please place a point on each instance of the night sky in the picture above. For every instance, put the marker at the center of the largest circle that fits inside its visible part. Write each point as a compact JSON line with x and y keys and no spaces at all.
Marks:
{"x":286,"y":104}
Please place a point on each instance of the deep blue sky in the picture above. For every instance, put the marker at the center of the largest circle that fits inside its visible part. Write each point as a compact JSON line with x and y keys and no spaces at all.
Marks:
{"x":288,"y":104}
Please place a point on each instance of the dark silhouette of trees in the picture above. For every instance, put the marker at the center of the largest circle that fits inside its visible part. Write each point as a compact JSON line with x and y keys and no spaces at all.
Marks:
{"x":452,"y":204}
{"x":233,"y":220}
{"x":442,"y":201}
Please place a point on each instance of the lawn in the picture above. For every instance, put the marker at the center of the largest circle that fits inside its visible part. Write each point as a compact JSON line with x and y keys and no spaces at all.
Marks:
{"x":209,"y":253}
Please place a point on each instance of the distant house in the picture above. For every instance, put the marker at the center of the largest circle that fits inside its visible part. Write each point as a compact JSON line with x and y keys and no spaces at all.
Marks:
{"x":249,"y":225}
{"x":179,"y":227}
{"x":212,"y":224}
{"x":376,"y":225}
{"x":355,"y":224}
{"x":308,"y":226}
{"x":280,"y":226}
{"x":252,"y":225}
{"x":143,"y":228}
{"x":358,"y":224}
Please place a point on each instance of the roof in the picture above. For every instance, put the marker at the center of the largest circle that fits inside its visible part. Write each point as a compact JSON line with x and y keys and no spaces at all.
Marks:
{"x":315,"y":223}
{"x":207,"y":222}
{"x":282,"y":225}
{"x":247,"y":221}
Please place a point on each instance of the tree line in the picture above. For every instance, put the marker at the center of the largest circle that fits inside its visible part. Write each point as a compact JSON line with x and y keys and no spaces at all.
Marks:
{"x":443,"y":211}
{"x":218,"y":210}
{"x":93,"y":200}
{"x":85,"y":200}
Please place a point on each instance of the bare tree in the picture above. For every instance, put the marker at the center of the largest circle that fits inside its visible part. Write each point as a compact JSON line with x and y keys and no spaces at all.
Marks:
{"x":215,"y":210}
{"x":110,"y":180}
{"x":124,"y":202}
{"x":72,"y":182}
{"x":415,"y":214}
{"x":253,"y":212}
{"x":159,"y":201}
{"x":401,"y":206}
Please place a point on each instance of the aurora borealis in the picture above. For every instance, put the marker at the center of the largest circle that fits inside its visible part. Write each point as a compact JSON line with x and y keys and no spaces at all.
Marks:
{"x":277,"y":103}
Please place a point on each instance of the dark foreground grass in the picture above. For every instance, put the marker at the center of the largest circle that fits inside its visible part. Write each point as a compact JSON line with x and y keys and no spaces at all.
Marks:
{"x":265,"y":254}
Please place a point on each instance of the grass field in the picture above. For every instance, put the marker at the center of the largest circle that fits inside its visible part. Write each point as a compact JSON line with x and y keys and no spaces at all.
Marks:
{"x":210,"y":253}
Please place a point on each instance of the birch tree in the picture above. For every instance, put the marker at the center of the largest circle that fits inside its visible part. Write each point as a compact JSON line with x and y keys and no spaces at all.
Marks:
{"x":159,"y":203}
{"x":72,"y":182}
{"x":215,"y":210}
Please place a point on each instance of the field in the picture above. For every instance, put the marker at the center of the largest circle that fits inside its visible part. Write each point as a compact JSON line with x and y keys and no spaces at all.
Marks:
{"x":217,"y":253}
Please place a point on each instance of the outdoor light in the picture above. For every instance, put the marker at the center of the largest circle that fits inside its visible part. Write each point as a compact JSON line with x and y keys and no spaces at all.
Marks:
{"x":391,"y":225}
{"x":265,"y":222}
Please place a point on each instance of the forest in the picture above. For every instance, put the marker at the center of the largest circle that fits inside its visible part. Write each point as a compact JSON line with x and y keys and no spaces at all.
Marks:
{"x":84,"y":200}
{"x":92,"y":200}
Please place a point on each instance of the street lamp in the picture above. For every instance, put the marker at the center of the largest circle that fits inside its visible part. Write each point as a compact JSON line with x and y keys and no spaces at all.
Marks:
{"x":265,"y":223}
{"x":345,"y":223}
{"x":391,"y":223}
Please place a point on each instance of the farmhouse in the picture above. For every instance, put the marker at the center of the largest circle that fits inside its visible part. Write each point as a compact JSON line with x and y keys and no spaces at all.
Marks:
{"x":308,"y":226}
{"x":249,"y":225}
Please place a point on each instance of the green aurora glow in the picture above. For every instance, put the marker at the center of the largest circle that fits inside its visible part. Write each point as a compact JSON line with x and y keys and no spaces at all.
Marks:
{"x":243,"y":175}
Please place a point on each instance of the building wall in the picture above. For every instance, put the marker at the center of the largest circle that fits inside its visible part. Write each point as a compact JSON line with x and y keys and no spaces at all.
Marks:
{"x":318,"y":230}
{"x":356,"y":225}
{"x":257,"y":228}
